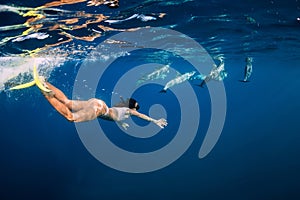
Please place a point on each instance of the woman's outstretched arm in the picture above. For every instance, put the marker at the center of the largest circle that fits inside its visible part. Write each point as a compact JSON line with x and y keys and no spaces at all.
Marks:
{"x":160,"y":122}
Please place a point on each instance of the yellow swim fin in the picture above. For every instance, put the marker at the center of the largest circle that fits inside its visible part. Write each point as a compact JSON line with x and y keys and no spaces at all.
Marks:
{"x":36,"y":81}
{"x":22,"y":86}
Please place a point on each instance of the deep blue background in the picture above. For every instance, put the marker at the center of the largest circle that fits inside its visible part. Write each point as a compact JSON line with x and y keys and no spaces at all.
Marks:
{"x":256,"y":157}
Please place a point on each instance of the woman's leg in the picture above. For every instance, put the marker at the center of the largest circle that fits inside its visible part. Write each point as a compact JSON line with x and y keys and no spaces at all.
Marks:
{"x":82,"y":110}
{"x":62,"y":104}
{"x":60,"y":107}
{"x":85,"y":114}
{"x":73,"y":105}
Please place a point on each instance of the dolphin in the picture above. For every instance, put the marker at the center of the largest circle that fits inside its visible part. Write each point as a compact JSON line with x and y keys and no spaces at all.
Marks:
{"x":198,"y":77}
{"x":217,"y":73}
{"x":159,"y":73}
{"x":178,"y":80}
{"x":248,"y":69}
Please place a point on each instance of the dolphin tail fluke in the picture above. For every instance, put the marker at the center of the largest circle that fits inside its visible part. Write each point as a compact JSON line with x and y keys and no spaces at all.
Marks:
{"x":199,"y":85}
{"x":202,"y":83}
{"x":244,"y":81}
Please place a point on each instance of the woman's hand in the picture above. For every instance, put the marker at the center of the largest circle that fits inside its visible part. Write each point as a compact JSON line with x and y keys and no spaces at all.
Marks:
{"x":124,"y":125}
{"x":161,"y":122}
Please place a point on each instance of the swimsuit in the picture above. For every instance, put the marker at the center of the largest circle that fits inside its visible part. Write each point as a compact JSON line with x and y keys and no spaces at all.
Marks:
{"x":122,"y":113}
{"x":99,"y":106}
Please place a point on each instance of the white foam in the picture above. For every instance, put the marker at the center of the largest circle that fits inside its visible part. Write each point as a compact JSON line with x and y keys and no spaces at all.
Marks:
{"x":11,"y":67}
{"x":39,"y":36}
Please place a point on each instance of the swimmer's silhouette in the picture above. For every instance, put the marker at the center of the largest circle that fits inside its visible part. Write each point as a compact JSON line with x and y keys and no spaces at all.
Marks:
{"x":80,"y":111}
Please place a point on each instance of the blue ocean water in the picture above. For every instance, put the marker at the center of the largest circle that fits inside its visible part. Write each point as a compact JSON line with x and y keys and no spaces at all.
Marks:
{"x":257,"y":154}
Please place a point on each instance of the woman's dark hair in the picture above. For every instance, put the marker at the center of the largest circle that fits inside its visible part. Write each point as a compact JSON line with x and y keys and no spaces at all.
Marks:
{"x":132,"y":104}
